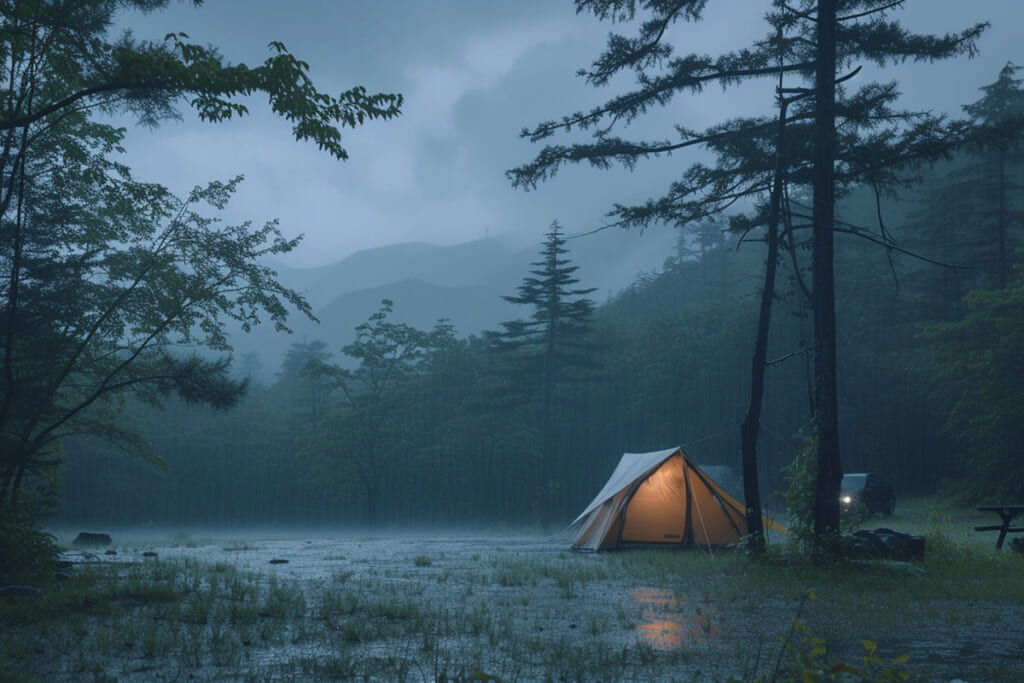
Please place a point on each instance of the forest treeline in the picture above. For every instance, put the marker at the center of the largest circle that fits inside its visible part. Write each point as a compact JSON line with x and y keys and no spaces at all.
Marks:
{"x":420,"y":427}
{"x":876,"y":289}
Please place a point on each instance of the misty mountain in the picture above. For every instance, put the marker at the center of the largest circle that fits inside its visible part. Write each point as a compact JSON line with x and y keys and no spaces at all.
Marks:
{"x":420,"y":304}
{"x":462,"y":265}
{"x":463,"y":283}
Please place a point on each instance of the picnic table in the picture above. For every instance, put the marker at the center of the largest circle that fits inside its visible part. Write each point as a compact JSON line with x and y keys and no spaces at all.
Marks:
{"x":1007,"y":513}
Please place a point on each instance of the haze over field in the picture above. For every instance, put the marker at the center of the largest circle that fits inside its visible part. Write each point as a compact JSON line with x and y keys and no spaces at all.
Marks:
{"x":748,"y":285}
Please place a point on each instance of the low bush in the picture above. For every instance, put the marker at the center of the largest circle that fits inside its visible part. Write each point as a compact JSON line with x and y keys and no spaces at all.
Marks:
{"x":27,"y":553}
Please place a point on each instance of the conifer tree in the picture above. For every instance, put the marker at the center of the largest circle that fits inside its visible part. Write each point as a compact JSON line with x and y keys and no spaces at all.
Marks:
{"x":988,"y":212}
{"x":838,"y":139}
{"x":980,"y":359}
{"x":302,"y":390}
{"x":551,"y":349}
{"x":999,"y":116}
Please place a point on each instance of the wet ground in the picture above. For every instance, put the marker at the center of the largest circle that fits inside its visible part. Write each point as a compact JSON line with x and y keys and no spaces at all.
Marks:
{"x":520,"y":607}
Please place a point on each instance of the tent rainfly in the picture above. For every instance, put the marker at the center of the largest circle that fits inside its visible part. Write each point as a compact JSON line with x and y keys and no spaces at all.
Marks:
{"x":662,"y":497}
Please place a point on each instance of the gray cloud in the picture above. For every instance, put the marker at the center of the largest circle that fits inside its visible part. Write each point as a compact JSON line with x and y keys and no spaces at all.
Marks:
{"x":473,"y":73}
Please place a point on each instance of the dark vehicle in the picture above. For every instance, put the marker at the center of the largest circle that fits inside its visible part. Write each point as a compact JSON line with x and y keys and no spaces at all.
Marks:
{"x":876,"y":494}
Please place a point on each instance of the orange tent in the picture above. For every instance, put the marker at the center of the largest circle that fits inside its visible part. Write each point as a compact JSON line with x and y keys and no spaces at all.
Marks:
{"x":662,"y":497}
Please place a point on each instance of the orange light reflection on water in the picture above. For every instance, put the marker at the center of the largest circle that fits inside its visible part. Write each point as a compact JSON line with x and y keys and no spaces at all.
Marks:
{"x":655,"y":596}
{"x":665,"y":622}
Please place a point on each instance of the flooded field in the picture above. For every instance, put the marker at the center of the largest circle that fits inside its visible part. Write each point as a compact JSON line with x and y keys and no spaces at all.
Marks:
{"x":502,"y":607}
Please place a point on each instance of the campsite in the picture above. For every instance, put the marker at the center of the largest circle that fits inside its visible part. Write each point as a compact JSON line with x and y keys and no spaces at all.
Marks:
{"x":662,"y":498}
{"x":544,"y":340}
{"x":435,"y":606}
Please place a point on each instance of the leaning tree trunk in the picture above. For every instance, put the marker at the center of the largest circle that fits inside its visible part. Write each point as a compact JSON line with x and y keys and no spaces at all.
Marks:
{"x":752,"y":421}
{"x":826,"y":411}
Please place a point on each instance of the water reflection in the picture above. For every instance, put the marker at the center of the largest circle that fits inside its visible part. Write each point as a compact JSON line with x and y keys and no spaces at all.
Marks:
{"x":668,"y":619}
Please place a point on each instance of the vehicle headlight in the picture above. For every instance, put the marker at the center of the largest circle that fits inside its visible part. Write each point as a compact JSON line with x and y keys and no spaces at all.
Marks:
{"x":847,"y":499}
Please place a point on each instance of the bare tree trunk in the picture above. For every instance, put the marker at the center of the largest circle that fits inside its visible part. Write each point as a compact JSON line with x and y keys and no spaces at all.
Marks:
{"x":1001,"y":261}
{"x":752,"y":421}
{"x":826,"y":411}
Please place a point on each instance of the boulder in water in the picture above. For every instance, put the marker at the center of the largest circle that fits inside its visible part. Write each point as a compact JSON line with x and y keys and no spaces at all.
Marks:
{"x":89,"y":539}
{"x":883,"y":544}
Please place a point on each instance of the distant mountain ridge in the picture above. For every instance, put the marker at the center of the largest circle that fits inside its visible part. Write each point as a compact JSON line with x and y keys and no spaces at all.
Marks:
{"x":462,"y":283}
{"x":467,"y":264}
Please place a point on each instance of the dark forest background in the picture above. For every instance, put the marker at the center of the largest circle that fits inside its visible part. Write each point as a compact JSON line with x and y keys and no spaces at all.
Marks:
{"x":407,"y":426}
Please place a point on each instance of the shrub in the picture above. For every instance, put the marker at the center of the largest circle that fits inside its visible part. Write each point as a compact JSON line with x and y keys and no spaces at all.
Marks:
{"x":27,"y":553}
{"x":801,"y":478}
{"x":804,"y":656}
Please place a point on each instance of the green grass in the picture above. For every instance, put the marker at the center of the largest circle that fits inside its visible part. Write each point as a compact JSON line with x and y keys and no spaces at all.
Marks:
{"x":561,"y":616}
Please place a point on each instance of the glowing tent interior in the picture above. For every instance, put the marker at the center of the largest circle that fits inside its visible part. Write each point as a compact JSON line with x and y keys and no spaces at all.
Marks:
{"x":662,"y":497}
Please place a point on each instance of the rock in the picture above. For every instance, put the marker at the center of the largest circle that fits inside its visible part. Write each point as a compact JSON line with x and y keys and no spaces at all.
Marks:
{"x":883,"y":544}
{"x":88,"y":539}
{"x":278,"y":561}
{"x":12,"y":591}
{"x":908,"y":568}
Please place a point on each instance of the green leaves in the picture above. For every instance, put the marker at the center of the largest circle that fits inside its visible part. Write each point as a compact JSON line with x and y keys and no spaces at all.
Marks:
{"x":875,"y":139}
{"x":388,"y":353}
{"x":361,"y":434}
{"x":110,"y":284}
{"x":804,"y":656}
{"x":979,"y":358}
{"x":285,"y":80}
{"x":148,"y":78}
{"x":999,"y":115}
{"x":561,"y":313}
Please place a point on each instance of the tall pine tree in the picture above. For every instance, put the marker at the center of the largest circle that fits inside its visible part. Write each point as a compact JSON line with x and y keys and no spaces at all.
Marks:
{"x":551,"y":350}
{"x":989,"y":187}
{"x":839,"y":139}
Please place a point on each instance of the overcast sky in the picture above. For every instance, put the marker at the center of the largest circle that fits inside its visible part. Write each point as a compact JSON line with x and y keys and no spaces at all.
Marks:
{"x":473,"y":73}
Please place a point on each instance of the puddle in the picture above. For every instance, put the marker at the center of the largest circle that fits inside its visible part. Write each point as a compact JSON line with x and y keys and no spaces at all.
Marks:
{"x":668,"y":620}
{"x":655,"y":596}
{"x":423,"y":607}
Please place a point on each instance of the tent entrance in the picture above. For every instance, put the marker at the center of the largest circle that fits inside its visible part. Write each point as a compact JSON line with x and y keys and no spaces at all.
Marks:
{"x":661,"y":498}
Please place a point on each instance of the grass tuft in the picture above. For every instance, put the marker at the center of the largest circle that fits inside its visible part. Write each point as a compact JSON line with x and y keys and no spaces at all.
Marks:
{"x":523,"y":616}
